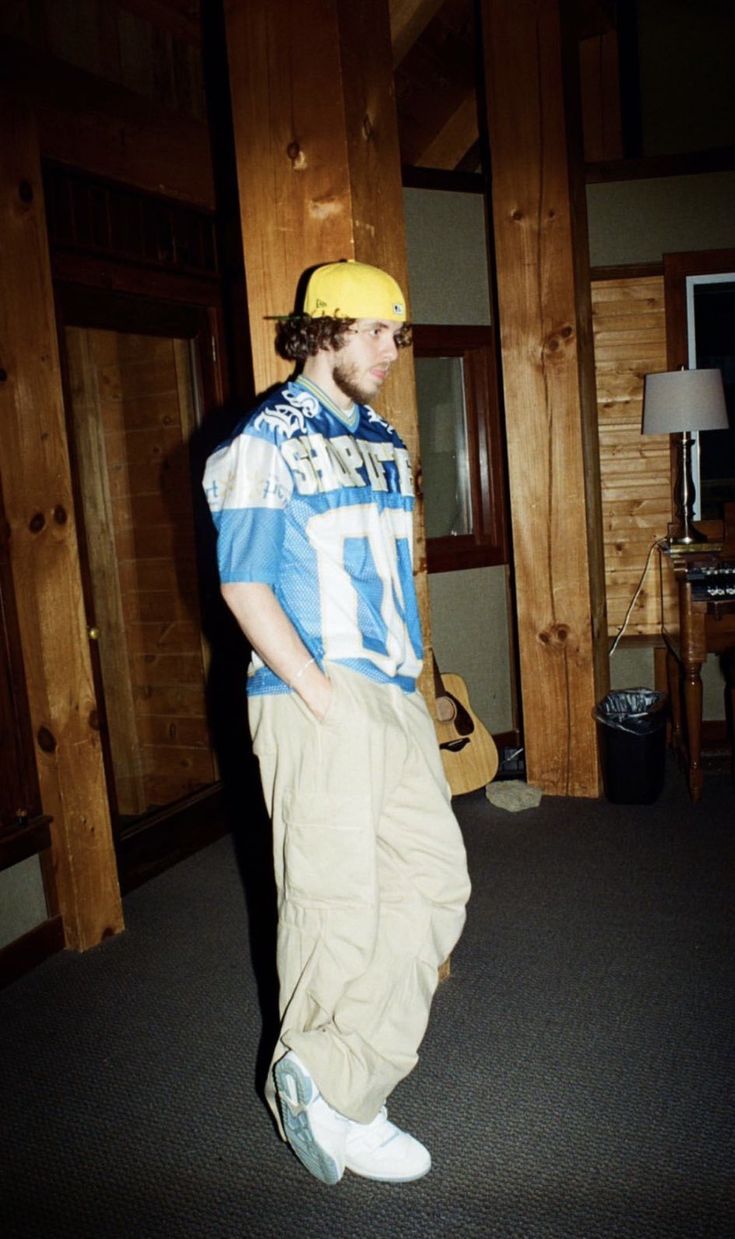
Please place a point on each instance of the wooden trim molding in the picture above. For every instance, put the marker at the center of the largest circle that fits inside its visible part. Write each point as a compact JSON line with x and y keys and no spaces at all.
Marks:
{"x":488,"y":542}
{"x":627,"y":271}
{"x":438,"y":178}
{"x":676,"y":268}
{"x":157,"y":841}
{"x":31,"y":949}
{"x":650,"y":167}
{"x":18,"y":843}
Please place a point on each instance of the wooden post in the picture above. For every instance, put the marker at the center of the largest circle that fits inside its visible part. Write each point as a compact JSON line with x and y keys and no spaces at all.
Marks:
{"x":548,"y":374}
{"x":374,"y":164}
{"x":44,"y":551}
{"x":318,"y":163}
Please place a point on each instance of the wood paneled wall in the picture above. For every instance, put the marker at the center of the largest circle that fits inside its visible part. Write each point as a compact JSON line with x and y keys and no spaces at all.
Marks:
{"x":630,"y":342}
{"x":150,"y":48}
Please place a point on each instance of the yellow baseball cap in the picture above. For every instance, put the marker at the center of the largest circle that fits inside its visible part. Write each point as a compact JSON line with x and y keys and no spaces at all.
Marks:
{"x":350,"y":289}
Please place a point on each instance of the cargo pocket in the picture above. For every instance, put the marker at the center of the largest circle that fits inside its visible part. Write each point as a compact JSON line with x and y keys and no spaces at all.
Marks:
{"x":329,"y":852}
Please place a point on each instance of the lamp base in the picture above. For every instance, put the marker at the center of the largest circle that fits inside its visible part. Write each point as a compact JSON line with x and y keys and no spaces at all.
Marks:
{"x":685,"y":534}
{"x":682,"y":531}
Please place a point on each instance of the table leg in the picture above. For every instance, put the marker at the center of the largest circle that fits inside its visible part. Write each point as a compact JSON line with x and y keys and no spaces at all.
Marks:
{"x":728,"y":667}
{"x":693,"y":708}
{"x":673,"y":677}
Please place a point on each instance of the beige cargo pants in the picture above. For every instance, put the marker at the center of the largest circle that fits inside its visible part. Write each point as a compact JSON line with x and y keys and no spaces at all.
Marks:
{"x":371,"y":877}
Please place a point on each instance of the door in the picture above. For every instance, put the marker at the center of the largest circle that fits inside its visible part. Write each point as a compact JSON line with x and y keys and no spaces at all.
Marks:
{"x":139,"y":379}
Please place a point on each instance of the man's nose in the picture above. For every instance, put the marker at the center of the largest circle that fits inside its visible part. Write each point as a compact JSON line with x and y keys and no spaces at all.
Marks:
{"x":390,"y":349}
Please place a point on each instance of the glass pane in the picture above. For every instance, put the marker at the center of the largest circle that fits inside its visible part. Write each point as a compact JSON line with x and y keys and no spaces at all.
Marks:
{"x":443,"y":436}
{"x":714,"y":329}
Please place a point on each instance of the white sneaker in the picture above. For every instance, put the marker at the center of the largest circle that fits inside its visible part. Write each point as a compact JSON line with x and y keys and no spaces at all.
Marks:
{"x":380,"y":1150}
{"x":315,"y":1131}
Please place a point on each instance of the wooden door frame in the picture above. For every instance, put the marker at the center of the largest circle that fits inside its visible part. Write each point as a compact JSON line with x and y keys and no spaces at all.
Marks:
{"x":677,"y":266}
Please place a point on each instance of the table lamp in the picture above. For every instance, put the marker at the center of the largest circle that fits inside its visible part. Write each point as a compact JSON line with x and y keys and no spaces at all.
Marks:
{"x":678,"y":402}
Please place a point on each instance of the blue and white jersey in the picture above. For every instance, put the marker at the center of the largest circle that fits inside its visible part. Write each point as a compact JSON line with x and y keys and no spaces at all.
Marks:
{"x":318,"y":504}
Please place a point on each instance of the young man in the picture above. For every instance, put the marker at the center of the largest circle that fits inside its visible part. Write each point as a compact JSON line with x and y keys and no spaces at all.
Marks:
{"x":312,"y":500}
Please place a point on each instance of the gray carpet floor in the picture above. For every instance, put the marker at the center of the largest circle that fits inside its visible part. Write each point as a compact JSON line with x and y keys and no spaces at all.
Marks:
{"x":576,"y":1079}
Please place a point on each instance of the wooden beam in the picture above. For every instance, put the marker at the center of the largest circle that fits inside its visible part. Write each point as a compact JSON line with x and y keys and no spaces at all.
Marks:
{"x":435,"y":78}
{"x":374,"y":165}
{"x":694,"y":163}
{"x":291,"y":155}
{"x":600,"y":97}
{"x":591,"y":17}
{"x":319,"y":173}
{"x":447,"y":148}
{"x":44,"y":552}
{"x":181,"y":18}
{"x":408,"y":20}
{"x":548,"y":374}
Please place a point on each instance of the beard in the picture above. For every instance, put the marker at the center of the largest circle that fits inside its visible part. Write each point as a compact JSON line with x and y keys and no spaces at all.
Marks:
{"x":348,"y":381}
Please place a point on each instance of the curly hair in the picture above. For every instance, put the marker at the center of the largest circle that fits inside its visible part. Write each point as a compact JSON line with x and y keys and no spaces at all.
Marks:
{"x":301,"y":336}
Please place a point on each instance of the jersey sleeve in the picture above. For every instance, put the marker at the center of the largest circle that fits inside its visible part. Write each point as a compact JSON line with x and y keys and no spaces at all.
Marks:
{"x":248,"y":486}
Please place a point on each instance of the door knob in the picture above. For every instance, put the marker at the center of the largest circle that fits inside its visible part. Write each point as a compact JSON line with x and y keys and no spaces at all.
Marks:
{"x":93,"y":634}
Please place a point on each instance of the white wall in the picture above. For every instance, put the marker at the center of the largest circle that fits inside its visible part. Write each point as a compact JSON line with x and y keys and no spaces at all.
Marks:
{"x":22,"y":900}
{"x":447,"y":257}
{"x":469,"y":616}
{"x":447,"y":262}
{"x":639,"y":221}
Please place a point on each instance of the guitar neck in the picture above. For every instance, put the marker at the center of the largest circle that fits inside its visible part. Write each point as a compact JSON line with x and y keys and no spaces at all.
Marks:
{"x":439,"y":690}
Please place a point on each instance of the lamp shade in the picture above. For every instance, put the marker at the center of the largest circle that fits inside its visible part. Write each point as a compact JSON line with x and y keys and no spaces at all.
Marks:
{"x":680,"y":400}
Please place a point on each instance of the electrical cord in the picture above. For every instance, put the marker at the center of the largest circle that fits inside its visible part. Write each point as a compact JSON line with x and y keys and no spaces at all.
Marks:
{"x":656,"y":542}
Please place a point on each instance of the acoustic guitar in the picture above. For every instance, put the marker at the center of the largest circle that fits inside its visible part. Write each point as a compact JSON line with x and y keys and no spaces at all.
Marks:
{"x":468,"y":750}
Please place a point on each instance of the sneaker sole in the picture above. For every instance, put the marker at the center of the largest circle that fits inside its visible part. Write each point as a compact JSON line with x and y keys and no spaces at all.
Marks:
{"x":379,"y":1178}
{"x":296,"y":1124}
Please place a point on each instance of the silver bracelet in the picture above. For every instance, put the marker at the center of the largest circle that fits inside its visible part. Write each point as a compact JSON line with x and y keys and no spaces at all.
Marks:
{"x":301,"y":672}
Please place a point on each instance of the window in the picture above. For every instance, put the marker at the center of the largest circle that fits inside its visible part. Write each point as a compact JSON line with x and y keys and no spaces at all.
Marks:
{"x":461,"y":447}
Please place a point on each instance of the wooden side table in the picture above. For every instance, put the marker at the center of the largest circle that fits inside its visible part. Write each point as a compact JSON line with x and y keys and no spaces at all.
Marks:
{"x":692,"y":628}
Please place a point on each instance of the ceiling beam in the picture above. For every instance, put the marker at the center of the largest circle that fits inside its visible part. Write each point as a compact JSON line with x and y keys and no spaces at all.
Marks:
{"x":435,"y":78}
{"x":591,"y":17}
{"x":408,"y":20}
{"x":454,"y":139}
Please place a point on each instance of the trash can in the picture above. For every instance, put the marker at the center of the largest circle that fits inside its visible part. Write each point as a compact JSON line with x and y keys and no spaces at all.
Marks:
{"x":631,"y":736}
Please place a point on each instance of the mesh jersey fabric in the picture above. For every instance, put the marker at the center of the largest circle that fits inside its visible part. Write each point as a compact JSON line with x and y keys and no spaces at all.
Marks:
{"x":318,"y":505}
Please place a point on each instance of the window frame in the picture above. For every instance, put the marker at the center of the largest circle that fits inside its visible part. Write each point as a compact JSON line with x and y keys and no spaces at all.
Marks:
{"x":487,"y":545}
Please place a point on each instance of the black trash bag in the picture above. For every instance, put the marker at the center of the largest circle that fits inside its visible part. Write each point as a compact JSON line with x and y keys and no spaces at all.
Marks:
{"x":631,"y":736}
{"x":637,"y":710}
